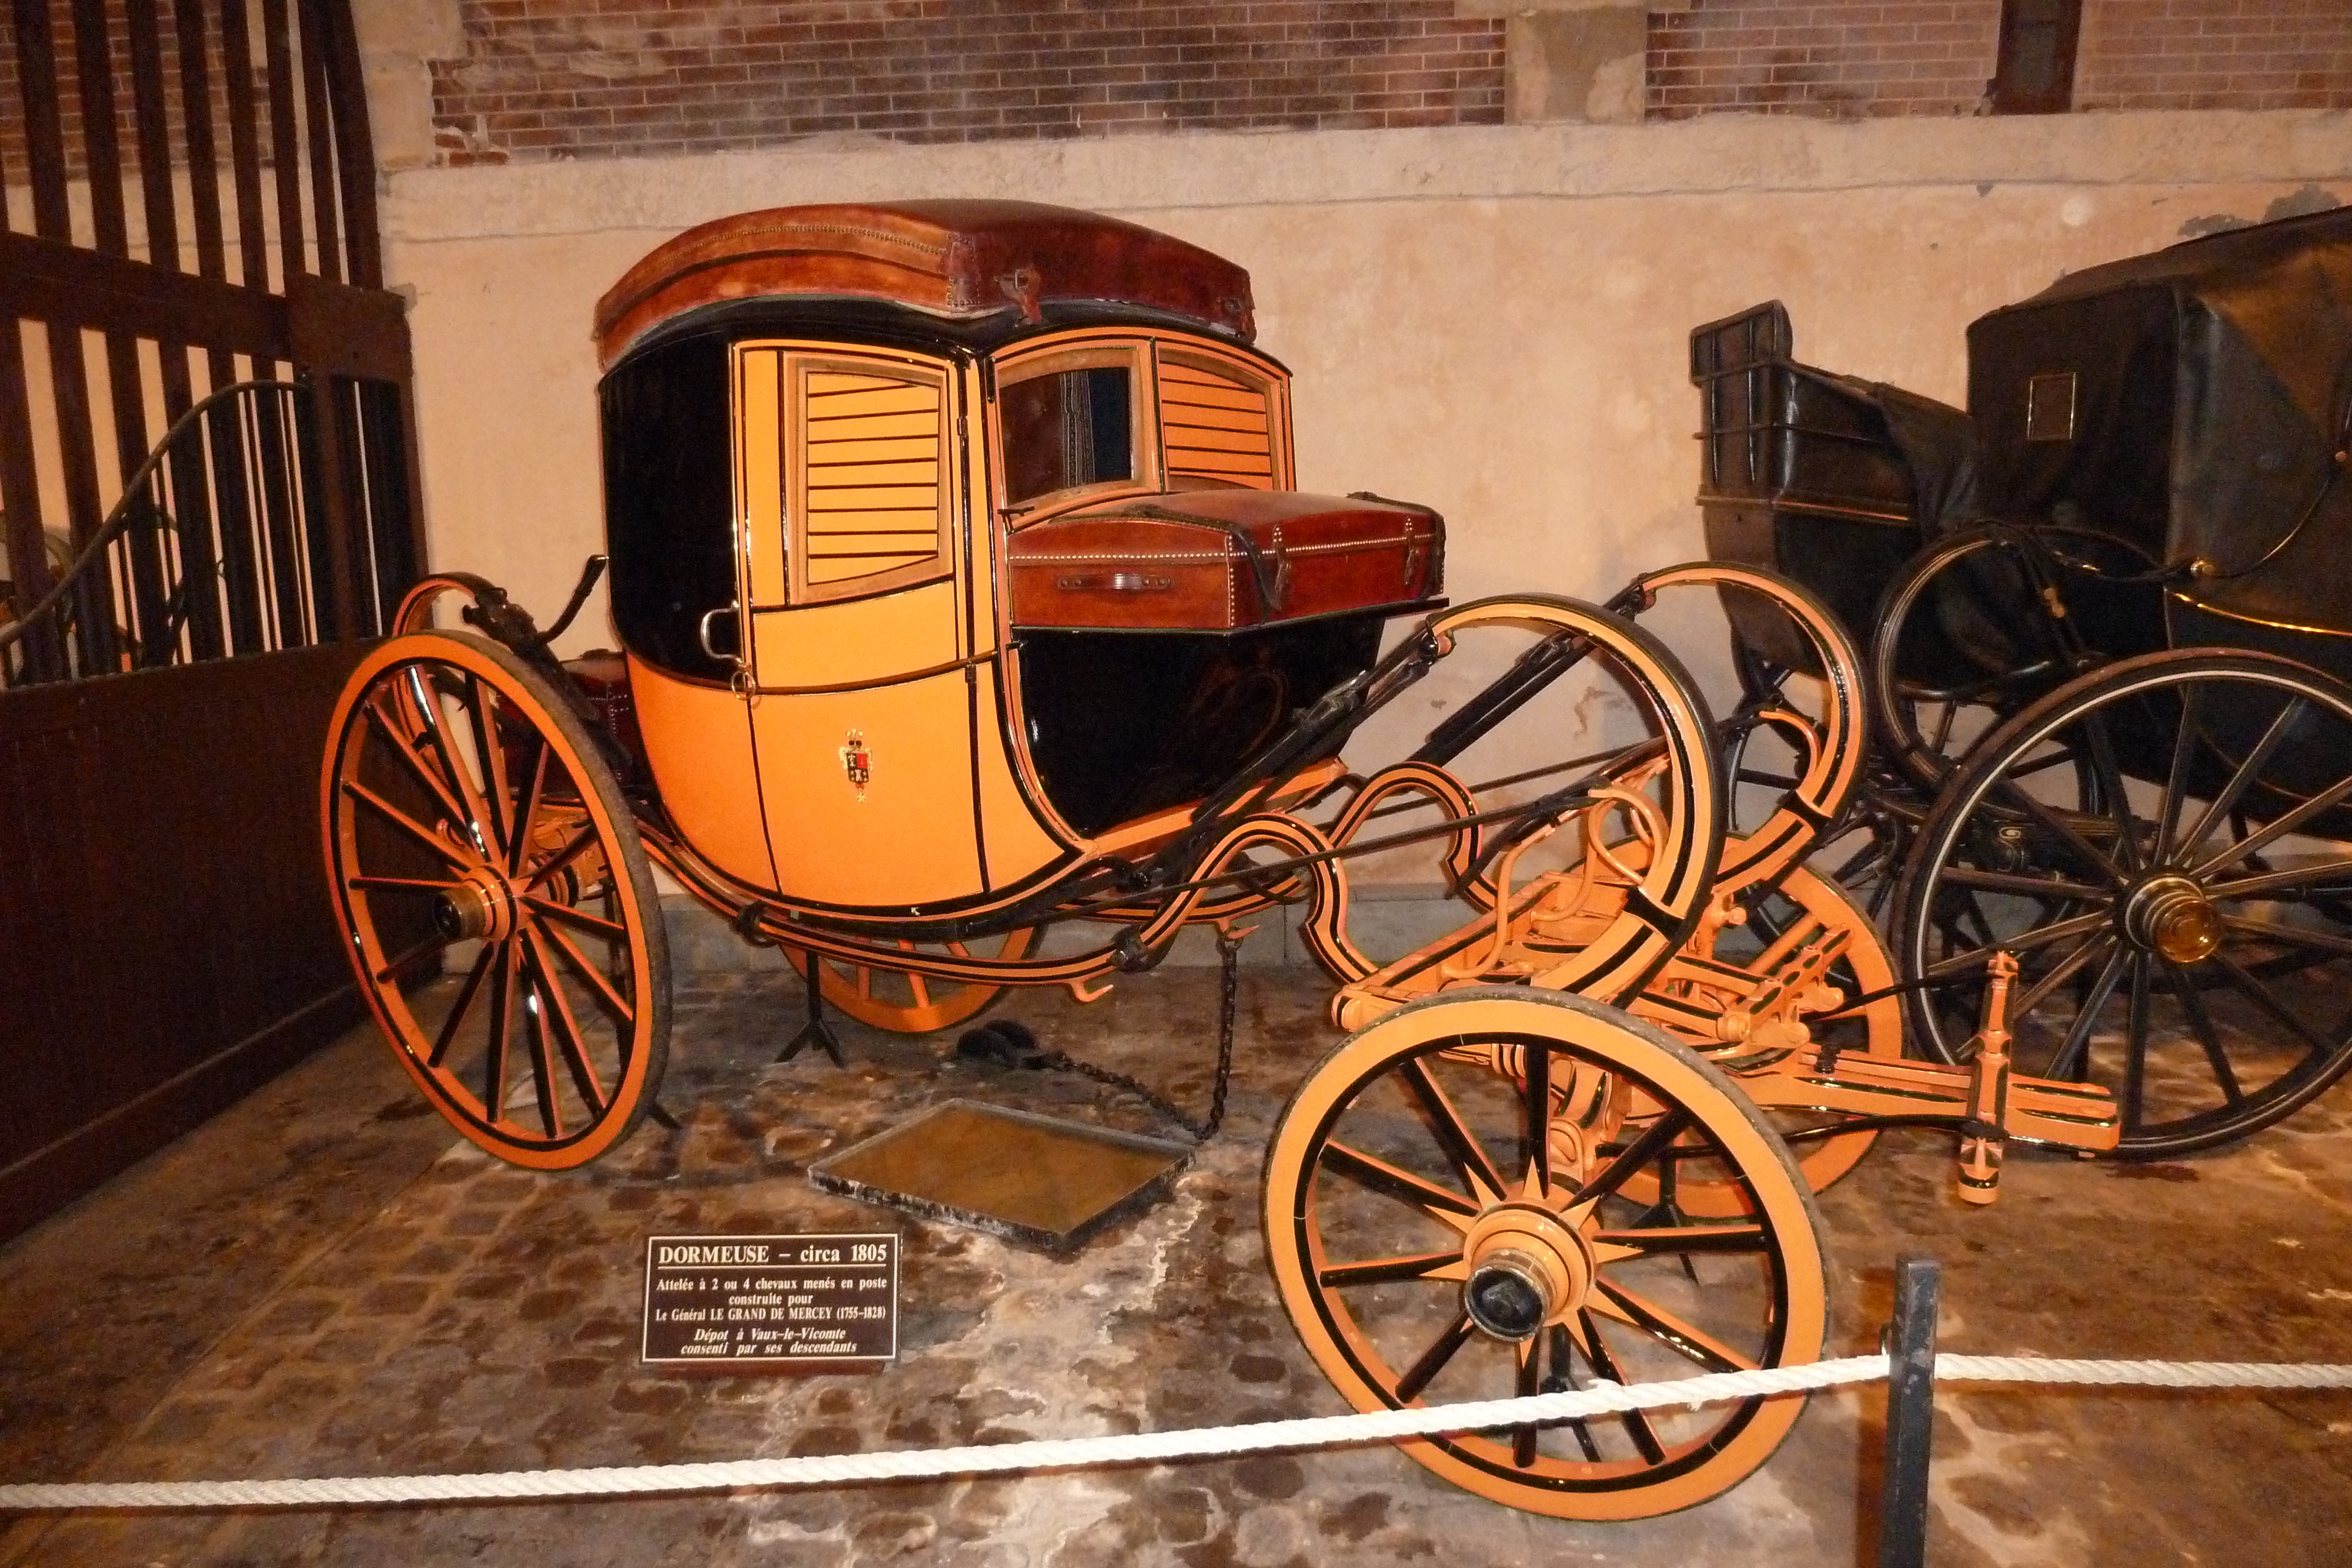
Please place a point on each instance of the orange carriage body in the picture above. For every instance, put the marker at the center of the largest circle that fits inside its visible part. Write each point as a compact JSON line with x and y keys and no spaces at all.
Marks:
{"x":953,"y":545}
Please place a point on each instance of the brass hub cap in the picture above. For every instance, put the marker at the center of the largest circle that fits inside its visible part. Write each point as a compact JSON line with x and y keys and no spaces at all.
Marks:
{"x":1527,"y":1269}
{"x":481,"y":906}
{"x":2172,"y":916}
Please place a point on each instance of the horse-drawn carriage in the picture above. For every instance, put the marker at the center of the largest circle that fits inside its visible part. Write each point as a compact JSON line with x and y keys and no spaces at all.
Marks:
{"x":2107,"y":618}
{"x":965,"y":598}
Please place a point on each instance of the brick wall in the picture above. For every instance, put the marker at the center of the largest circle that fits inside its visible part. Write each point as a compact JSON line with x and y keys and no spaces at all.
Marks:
{"x":1852,"y":57}
{"x":1832,"y":57}
{"x":603,"y":77}
{"x":2215,"y":54}
{"x":543,"y":79}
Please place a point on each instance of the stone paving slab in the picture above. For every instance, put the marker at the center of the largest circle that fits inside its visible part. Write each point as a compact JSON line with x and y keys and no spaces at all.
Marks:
{"x":403,"y":1306}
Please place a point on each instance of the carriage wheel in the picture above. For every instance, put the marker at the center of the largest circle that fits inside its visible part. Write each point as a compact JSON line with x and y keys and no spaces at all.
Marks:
{"x":471,"y":824}
{"x":1446,"y":1215}
{"x":1965,"y":637}
{"x":2161,"y":844}
{"x":1804,"y":908}
{"x":904,"y":1002}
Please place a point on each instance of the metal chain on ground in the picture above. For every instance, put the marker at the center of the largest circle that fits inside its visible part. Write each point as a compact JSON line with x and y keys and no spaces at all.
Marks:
{"x":1229,"y":948}
{"x":1151,"y":1448}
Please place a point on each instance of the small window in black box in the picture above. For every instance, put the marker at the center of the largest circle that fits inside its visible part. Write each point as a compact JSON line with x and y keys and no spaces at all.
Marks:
{"x":2050,"y":407}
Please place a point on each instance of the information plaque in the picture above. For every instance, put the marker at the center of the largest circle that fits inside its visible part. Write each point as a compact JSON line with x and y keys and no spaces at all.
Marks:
{"x":771,"y":1304}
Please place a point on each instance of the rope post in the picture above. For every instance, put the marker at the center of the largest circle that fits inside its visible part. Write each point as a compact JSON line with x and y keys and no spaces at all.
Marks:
{"x":1910,"y":1413}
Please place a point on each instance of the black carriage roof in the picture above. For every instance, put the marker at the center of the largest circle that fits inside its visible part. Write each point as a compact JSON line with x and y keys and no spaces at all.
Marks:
{"x":2216,"y":264}
{"x":2203,"y":394}
{"x":954,"y":260}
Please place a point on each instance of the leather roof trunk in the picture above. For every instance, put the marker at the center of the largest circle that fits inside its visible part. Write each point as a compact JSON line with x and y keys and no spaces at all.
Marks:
{"x":1223,"y":560}
{"x":959,"y":259}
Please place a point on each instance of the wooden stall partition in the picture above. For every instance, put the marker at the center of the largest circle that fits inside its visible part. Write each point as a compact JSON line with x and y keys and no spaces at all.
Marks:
{"x":207,"y":505}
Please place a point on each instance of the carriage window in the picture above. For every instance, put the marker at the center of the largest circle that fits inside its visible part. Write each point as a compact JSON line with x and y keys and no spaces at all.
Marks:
{"x":1068,"y":428}
{"x":870,"y":501}
{"x":1215,"y":423}
{"x":840,"y":466}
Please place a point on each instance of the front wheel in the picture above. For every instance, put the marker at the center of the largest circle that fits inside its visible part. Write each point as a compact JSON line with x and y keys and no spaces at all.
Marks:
{"x":1447,"y":1217}
{"x":472,"y":826}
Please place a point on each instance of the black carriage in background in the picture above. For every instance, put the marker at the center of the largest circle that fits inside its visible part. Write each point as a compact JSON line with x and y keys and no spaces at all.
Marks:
{"x":2108,"y":612}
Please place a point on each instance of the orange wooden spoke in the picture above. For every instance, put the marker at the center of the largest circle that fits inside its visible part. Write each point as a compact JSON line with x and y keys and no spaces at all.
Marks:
{"x":1445,"y":1122}
{"x":539,"y":1030}
{"x":1530,"y":1382}
{"x":1685,"y":1339}
{"x":461,"y":1004}
{"x":572,"y":848}
{"x":393,"y":884}
{"x":527,"y":810}
{"x":449,"y":850}
{"x":1403,"y":1186}
{"x":541,"y":1054}
{"x":1637,"y":1422}
{"x":501,"y":1022}
{"x":476,"y":813}
{"x":397,"y":969}
{"x":1432,"y":1360}
{"x":405,"y":750}
{"x":1674,"y":1239}
{"x":1657,"y":1139}
{"x":551,"y":909}
{"x":1387,"y":1270}
{"x":558,"y":1015}
{"x":1404,"y":1291}
{"x":481,"y":715}
{"x":594,"y":977}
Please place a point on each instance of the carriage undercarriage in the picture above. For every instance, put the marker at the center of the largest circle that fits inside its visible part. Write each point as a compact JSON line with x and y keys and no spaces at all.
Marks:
{"x":1573,"y":1138}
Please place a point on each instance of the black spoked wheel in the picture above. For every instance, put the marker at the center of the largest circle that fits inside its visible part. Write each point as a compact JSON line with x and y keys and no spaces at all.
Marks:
{"x":1981,"y":623}
{"x":2163,"y":846}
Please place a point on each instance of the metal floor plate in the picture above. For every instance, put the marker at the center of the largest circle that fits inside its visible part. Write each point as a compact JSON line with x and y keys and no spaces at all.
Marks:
{"x":1033,"y":1179}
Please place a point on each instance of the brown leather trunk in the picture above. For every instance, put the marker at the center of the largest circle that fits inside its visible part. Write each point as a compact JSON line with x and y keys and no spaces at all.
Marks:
{"x":1219,"y":560}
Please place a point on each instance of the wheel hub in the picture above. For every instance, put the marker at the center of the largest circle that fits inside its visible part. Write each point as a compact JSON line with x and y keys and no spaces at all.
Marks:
{"x":2172,"y":916}
{"x":1527,"y":1269}
{"x":480,"y":907}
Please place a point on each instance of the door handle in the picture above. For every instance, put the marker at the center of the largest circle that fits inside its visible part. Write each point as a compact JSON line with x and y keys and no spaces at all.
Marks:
{"x":702,"y":634}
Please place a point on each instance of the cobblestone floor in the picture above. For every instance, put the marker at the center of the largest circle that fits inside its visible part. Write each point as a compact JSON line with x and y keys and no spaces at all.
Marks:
{"x":320,"y":1283}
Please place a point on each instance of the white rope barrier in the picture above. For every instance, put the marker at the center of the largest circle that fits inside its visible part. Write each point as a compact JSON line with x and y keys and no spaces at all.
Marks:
{"x":1146,"y":1448}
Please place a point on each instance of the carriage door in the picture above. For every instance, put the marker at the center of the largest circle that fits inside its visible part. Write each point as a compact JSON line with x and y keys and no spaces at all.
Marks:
{"x":861,"y":717}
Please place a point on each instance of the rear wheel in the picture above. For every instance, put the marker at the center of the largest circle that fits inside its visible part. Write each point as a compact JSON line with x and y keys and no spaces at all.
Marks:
{"x":906,"y":1002}
{"x":2163,"y":846}
{"x":472,"y":826}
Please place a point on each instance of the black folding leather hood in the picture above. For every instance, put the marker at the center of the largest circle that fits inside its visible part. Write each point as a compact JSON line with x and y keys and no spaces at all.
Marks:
{"x":2193,"y":402}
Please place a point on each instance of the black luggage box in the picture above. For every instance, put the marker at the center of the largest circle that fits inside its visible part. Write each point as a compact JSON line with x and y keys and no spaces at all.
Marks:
{"x":1802,"y":472}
